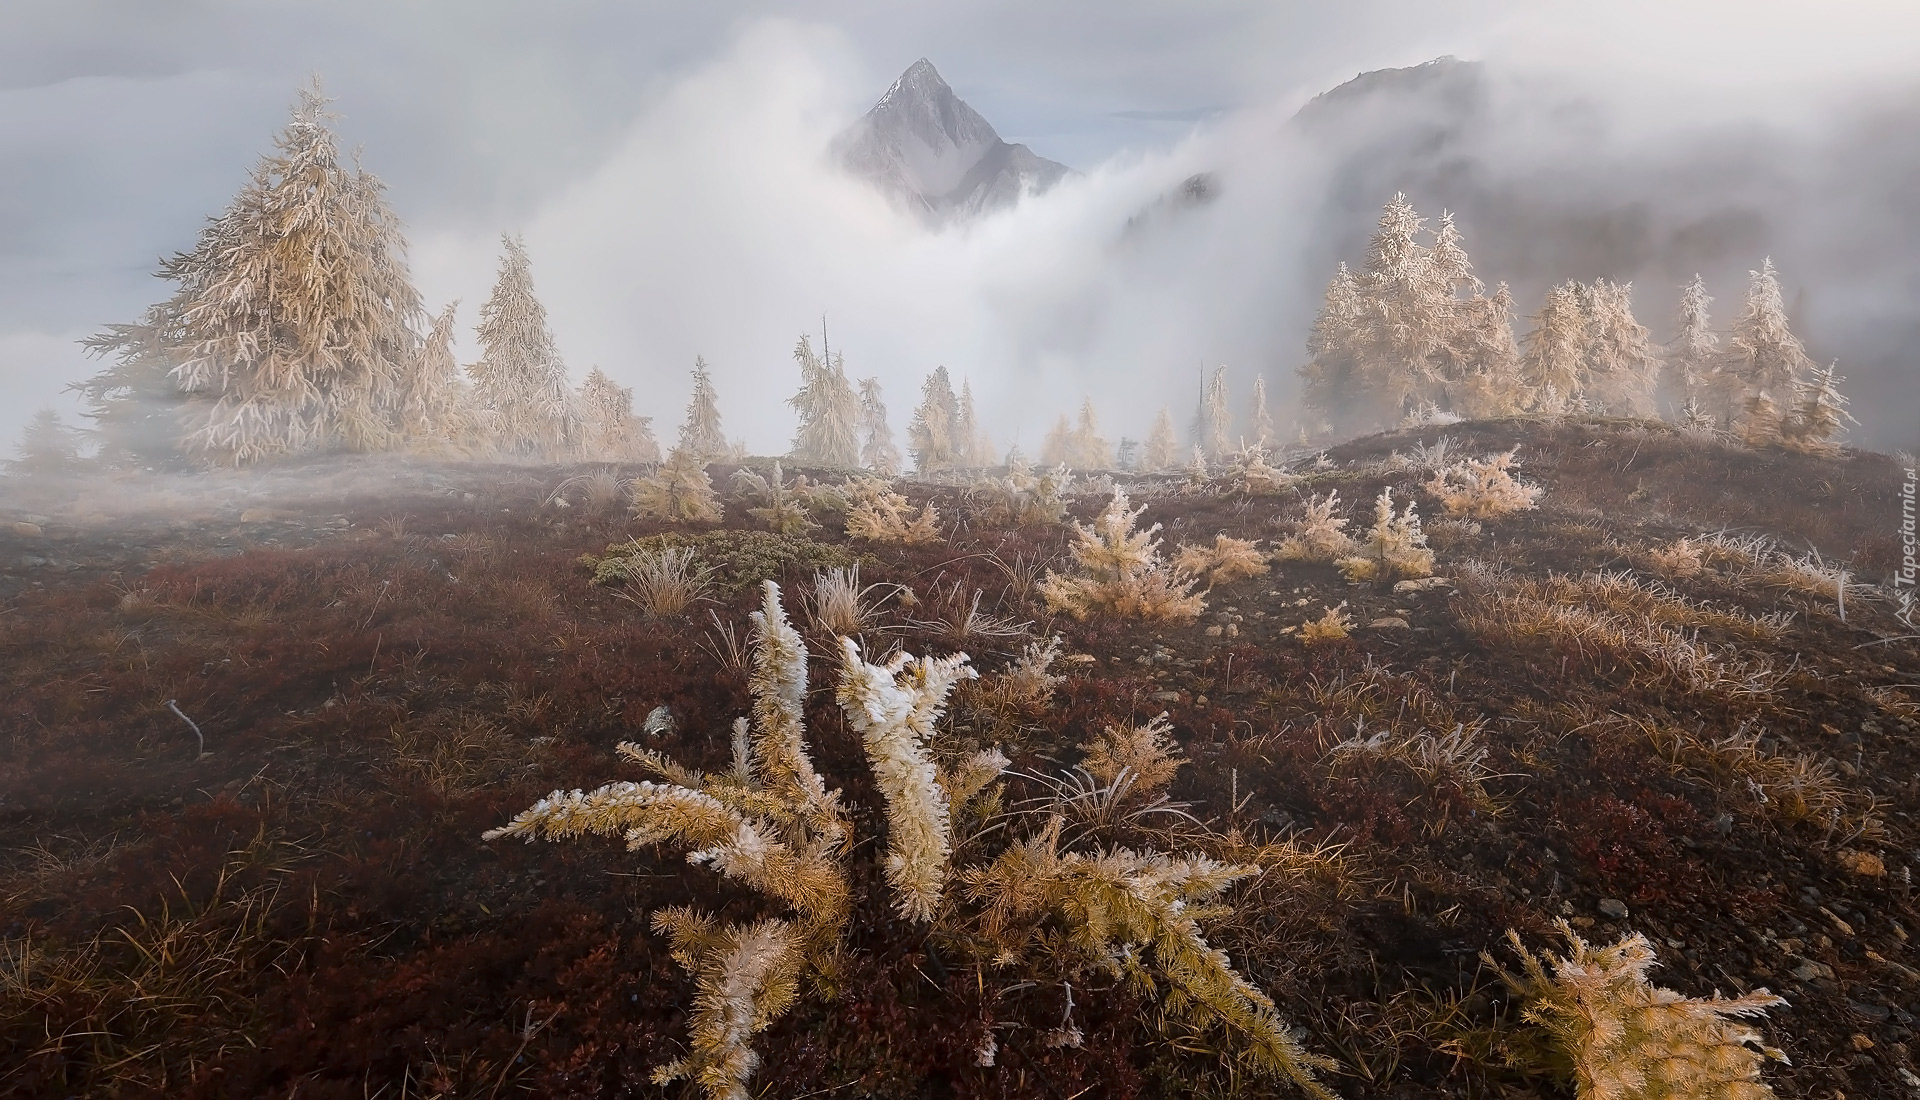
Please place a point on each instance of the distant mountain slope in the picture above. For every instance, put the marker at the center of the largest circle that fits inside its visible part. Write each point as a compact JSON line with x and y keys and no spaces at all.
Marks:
{"x":923,"y":145}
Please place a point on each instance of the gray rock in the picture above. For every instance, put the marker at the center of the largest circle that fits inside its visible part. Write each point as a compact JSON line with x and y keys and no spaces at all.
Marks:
{"x":1613,"y":908}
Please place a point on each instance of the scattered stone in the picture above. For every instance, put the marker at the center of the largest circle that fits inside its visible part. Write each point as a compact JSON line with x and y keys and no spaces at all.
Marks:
{"x":1214,"y":632}
{"x":1807,"y":970}
{"x":1861,"y":1042}
{"x":1165,"y":697}
{"x":1613,"y":908}
{"x":1389,"y":623}
{"x":1421,"y":584}
{"x":1864,"y":864}
{"x":258,"y":515}
{"x":1079,"y":659}
{"x":27,"y":530}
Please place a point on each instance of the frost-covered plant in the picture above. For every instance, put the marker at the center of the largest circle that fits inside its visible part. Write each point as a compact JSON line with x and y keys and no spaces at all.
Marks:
{"x":1023,"y":498}
{"x":1812,"y":575}
{"x":1162,"y":451}
{"x":1120,"y":572}
{"x":1396,"y":548}
{"x":1320,"y":535}
{"x":1483,"y":488}
{"x":678,"y":492}
{"x":1137,"y":915}
{"x":1228,"y":559}
{"x":1678,"y":559}
{"x":1145,"y":751}
{"x":893,"y":707}
{"x":1331,"y":627}
{"x":700,"y":433}
{"x":769,"y":823}
{"x":878,"y":514}
{"x":665,"y":582}
{"x":781,"y":510}
{"x":1250,"y":473}
{"x":877,"y":450}
{"x":1630,"y":1040}
{"x":1458,"y":757}
{"x":1819,"y":414}
{"x":1029,"y":682}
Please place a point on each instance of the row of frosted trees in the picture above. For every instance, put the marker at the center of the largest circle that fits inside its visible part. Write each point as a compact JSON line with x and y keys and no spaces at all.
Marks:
{"x":1414,"y":333}
{"x":294,"y":327}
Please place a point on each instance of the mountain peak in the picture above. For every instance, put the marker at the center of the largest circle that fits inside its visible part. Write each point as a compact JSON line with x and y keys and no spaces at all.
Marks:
{"x":922,"y":144}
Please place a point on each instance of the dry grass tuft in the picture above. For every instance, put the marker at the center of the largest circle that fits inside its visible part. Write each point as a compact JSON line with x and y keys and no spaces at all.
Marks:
{"x":664,"y":582}
{"x":841,"y":604}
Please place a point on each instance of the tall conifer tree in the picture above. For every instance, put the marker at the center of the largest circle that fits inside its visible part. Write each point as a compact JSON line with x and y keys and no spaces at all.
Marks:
{"x":829,"y":432}
{"x":1692,"y":366}
{"x":877,"y":450}
{"x":520,"y":382}
{"x":1764,"y":357}
{"x":700,"y":436}
{"x":932,"y":436}
{"x":293,"y":327}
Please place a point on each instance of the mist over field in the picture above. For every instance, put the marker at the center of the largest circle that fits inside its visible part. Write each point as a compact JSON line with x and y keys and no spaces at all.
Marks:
{"x":671,"y":176}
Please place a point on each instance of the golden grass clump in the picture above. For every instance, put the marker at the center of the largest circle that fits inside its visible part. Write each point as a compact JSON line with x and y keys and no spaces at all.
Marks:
{"x":878,"y":514}
{"x":1483,"y":488}
{"x":841,"y":604}
{"x":1228,"y":559}
{"x":1121,"y":572}
{"x":1320,"y":535}
{"x":664,"y":582}
{"x":1395,"y":548}
{"x":678,"y":492}
{"x":1629,"y":1040}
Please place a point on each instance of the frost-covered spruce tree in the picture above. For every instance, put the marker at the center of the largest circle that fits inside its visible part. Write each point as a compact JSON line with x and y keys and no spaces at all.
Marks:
{"x":1552,"y":366}
{"x":47,"y":446}
{"x":1213,"y":421}
{"x":1692,"y":362}
{"x":931,"y":436}
{"x":829,"y":432}
{"x":1621,"y":367}
{"x":520,"y":382}
{"x":877,"y":450}
{"x":1162,"y":451}
{"x":1403,"y":318}
{"x":437,"y":406}
{"x":1819,"y":415}
{"x":1487,"y":381}
{"x":1763,"y":355}
{"x":293,"y":325}
{"x":1262,"y":427}
{"x":609,"y":432}
{"x":976,"y":448}
{"x":1057,"y":448}
{"x":1089,"y":450}
{"x":700,"y":435}
{"x":1329,"y":379}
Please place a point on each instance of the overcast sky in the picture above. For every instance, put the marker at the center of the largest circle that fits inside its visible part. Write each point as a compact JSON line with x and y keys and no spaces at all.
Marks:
{"x":125,"y":123}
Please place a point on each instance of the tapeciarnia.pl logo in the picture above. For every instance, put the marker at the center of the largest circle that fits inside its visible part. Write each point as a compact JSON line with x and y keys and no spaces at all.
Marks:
{"x":1905,"y":579}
